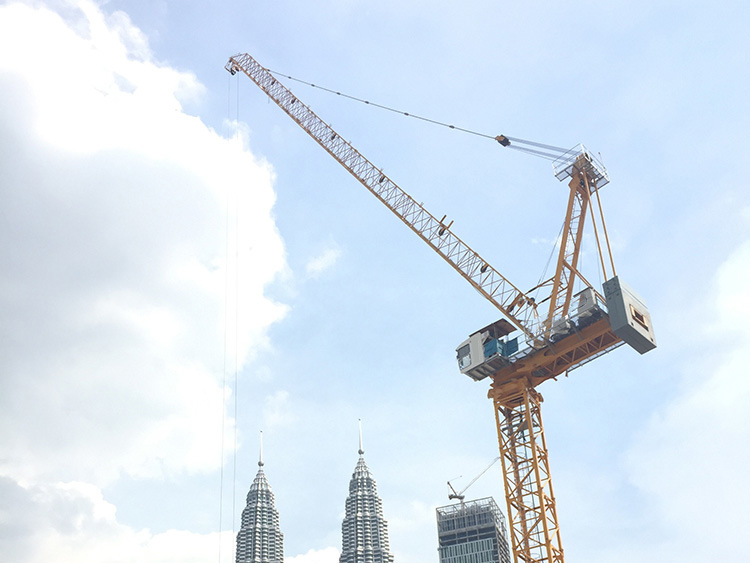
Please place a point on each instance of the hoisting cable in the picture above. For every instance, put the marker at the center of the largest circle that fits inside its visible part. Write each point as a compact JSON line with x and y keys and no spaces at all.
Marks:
{"x":226,"y":337}
{"x":236,"y":327}
{"x":550,"y":152}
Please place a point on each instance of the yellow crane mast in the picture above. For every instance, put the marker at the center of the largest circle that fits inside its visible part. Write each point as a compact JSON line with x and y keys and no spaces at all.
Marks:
{"x":577,"y":327}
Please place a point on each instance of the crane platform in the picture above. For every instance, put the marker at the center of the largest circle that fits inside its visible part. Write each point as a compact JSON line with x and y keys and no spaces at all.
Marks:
{"x":565,"y":165}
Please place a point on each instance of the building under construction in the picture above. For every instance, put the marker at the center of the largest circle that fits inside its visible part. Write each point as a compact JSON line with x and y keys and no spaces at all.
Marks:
{"x":472,"y":532}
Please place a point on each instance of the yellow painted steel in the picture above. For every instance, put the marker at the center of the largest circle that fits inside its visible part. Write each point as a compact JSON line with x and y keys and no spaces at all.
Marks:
{"x":606,"y":238}
{"x":508,"y":298}
{"x":530,"y":500}
{"x":570,"y":247}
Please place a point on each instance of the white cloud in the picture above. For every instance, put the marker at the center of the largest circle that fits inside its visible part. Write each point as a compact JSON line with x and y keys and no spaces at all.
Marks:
{"x":118,"y":264}
{"x":323,"y":261}
{"x":692,"y":457}
{"x":72,"y":522}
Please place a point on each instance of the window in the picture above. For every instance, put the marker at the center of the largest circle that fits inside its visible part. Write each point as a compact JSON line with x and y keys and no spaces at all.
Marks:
{"x":464,"y":357}
{"x":638,"y":317}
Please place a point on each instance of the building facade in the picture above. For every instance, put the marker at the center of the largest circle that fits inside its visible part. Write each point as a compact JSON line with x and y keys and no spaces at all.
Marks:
{"x":472,"y":532}
{"x":260,"y":539}
{"x":364,"y":531}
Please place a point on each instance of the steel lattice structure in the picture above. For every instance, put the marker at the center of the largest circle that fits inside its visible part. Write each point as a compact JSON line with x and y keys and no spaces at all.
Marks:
{"x":535,"y":533}
{"x":513,"y":302}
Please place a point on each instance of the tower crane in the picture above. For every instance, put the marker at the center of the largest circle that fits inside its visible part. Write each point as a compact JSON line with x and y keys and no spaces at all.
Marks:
{"x":460,"y":495}
{"x":559,"y":329}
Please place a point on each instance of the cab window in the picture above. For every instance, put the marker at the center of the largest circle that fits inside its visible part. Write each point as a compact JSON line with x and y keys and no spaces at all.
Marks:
{"x":464,"y":357}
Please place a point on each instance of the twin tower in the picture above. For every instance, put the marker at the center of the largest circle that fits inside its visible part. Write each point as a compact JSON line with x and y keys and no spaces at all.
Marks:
{"x":364,"y":530}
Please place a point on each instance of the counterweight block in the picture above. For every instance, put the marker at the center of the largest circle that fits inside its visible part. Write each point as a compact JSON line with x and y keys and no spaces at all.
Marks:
{"x":629,"y":316}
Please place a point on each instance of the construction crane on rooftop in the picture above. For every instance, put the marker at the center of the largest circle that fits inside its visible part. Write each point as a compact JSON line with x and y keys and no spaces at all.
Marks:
{"x":460,"y":495}
{"x":560,"y":329}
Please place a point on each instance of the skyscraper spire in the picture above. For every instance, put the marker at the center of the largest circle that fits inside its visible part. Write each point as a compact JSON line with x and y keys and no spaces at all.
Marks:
{"x":260,"y":539}
{"x":361,"y":451}
{"x":364,"y":531}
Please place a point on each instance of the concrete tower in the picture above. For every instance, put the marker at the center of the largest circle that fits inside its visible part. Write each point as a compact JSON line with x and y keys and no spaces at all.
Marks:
{"x":364,"y":531}
{"x":260,"y":540}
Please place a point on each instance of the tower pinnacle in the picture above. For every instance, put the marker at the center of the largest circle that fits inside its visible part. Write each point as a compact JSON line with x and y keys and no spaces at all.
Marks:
{"x":260,"y":457}
{"x":361,"y":450}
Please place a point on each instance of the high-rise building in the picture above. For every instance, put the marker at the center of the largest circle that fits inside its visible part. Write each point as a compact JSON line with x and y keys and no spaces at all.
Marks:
{"x":472,"y":532}
{"x":364,"y":531}
{"x":260,"y":539}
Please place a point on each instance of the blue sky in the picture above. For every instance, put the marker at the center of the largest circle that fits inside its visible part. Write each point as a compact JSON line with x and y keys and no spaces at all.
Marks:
{"x":145,"y":193}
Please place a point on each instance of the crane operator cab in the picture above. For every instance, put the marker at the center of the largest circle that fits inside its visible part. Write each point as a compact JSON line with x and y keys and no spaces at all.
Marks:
{"x":487,"y":350}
